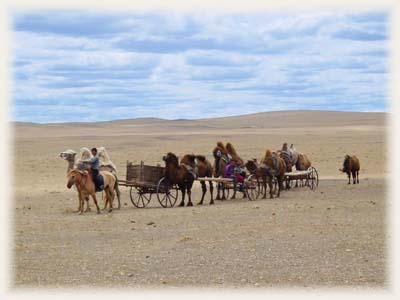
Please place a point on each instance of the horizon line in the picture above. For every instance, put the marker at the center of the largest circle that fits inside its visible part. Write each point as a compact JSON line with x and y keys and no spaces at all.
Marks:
{"x":196,"y":119}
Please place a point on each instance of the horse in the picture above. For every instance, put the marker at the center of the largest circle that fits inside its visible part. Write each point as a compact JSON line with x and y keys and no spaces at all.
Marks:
{"x":276,"y":166}
{"x":205,"y":169}
{"x":221,"y":159}
{"x":182,"y":174}
{"x":86,"y":187}
{"x":351,"y":165}
{"x":79,"y":163}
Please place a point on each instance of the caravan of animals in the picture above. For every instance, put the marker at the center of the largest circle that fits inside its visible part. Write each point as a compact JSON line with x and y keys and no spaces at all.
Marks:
{"x":229,"y":172}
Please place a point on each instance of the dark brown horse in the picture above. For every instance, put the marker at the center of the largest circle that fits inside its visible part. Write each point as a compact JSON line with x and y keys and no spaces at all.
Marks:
{"x":275,"y":165}
{"x":351,"y":166}
{"x":181,"y":174}
{"x":221,"y":159}
{"x":205,"y":169}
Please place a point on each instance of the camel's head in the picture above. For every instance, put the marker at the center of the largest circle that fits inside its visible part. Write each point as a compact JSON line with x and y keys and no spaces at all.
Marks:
{"x":171,"y":158}
{"x":345,"y":164}
{"x":251,"y":165}
{"x":68,"y":155}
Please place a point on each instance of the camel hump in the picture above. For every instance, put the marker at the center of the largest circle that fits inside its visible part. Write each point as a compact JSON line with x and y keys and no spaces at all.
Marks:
{"x":201,"y":158}
{"x":231,"y":150}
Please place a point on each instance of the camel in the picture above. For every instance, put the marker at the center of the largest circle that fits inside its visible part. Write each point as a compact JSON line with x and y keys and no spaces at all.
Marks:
{"x":86,"y":187}
{"x":303,"y":163}
{"x":261,"y":173}
{"x":276,"y":167}
{"x":351,"y":166}
{"x":297,"y":159}
{"x":182,"y":174}
{"x":79,"y":162}
{"x":205,"y":169}
{"x":221,"y":159}
{"x":232,"y":152}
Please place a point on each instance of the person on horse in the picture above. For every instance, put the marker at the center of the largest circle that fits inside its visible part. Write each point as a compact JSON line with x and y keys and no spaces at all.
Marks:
{"x":94,"y":167}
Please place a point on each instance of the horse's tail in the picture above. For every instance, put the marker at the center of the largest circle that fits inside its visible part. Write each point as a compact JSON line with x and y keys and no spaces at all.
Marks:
{"x":116,"y":187}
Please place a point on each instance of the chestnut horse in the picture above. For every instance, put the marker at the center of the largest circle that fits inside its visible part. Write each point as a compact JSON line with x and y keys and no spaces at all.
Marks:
{"x":86,"y":187}
{"x":181,"y":174}
{"x":205,"y":169}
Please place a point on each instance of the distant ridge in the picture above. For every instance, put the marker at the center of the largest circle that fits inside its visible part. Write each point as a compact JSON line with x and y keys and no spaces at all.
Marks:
{"x":281,"y":113}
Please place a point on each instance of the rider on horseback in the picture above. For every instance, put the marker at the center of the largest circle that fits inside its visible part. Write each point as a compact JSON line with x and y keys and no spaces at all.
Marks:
{"x":94,"y":166}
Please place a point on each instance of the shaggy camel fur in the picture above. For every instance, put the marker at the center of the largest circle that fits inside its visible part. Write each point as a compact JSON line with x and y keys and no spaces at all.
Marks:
{"x":275,"y":165}
{"x":205,"y":169}
{"x":221,"y":159}
{"x":86,"y":187}
{"x":181,"y":174}
{"x":351,"y":166}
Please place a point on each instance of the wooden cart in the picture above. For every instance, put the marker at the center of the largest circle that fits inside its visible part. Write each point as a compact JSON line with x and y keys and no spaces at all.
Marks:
{"x":144,"y":181}
{"x":310,"y":177}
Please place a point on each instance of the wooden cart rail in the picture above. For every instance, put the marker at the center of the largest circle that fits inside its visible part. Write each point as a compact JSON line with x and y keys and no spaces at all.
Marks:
{"x":310,"y":176}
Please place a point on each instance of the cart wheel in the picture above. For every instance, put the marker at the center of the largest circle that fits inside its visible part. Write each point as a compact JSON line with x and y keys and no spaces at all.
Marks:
{"x":313,"y":179}
{"x":166,"y":194}
{"x":252,"y":187}
{"x":139,"y":197}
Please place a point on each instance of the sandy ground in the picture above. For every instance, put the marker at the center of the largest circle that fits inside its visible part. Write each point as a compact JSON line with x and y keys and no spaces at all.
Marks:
{"x":334,"y":236}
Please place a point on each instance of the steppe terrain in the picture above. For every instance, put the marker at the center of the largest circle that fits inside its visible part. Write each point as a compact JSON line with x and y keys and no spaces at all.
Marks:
{"x":331,"y":237}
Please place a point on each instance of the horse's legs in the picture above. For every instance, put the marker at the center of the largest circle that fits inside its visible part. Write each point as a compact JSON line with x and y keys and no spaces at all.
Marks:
{"x":95,"y":202}
{"x":80,"y":209}
{"x":183,"y":197}
{"x":87,"y":204}
{"x":211,"y":192}
{"x":204,"y":190}
{"x":110,"y":197}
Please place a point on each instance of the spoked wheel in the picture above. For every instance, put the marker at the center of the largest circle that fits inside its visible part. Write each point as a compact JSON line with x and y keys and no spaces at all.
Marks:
{"x":166,"y":194}
{"x":252,"y":187}
{"x":313,"y":179}
{"x":139,"y":197}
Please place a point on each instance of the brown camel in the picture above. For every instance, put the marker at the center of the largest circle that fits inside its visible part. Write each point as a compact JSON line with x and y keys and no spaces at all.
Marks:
{"x":262,"y":175}
{"x":351,"y":166}
{"x":276,"y":166}
{"x":303,"y":163}
{"x":86,"y":187}
{"x":232,"y":152}
{"x":182,"y":174}
{"x":221,"y":159}
{"x":205,"y":169}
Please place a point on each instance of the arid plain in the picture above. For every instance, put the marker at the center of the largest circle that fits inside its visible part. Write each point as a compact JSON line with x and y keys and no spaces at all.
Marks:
{"x":332,"y":237}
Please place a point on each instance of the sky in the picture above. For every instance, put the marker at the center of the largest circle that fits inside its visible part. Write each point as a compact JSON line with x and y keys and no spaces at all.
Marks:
{"x":96,"y":65}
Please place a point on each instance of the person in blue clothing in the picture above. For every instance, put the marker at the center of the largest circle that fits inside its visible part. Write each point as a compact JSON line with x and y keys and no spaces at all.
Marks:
{"x":94,"y":165}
